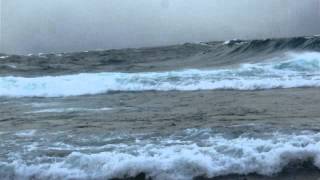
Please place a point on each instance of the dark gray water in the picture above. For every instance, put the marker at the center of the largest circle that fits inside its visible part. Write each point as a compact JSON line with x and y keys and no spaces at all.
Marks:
{"x":213,"y":110}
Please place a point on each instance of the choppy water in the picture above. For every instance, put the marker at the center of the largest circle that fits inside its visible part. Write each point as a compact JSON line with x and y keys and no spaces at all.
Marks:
{"x":180,"y":112}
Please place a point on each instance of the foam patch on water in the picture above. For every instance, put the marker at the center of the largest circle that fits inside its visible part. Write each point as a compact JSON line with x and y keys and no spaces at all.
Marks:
{"x":296,"y":70}
{"x":26,"y":133}
{"x":179,"y":159}
{"x":62,"y":110}
{"x":4,"y":57}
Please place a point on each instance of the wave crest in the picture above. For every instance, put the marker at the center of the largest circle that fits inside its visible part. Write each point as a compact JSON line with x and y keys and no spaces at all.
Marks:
{"x":294,"y":70}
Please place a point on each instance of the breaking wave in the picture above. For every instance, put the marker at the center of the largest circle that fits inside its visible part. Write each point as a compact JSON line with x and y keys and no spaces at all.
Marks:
{"x":290,"y":71}
{"x":175,"y":158}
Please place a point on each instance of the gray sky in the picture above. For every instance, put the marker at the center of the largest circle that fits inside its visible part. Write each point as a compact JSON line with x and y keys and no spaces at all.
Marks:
{"x":32,"y":26}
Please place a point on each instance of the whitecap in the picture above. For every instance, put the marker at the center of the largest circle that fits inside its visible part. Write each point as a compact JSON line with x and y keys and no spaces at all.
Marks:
{"x":167,"y":159}
{"x":3,"y":57}
{"x":295,"y":70}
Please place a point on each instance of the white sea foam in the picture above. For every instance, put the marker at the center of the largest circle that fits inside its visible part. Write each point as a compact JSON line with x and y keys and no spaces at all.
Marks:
{"x":296,"y":70}
{"x":227,"y":42}
{"x":178,"y":159}
{"x":3,"y":57}
{"x":26,"y":133}
{"x":236,"y":41}
{"x":62,"y":110}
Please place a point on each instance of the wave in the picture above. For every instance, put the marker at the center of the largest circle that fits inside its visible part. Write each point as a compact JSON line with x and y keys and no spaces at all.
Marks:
{"x":176,"y":158}
{"x":168,"y":58}
{"x":294,"y":70}
{"x":272,"y":45}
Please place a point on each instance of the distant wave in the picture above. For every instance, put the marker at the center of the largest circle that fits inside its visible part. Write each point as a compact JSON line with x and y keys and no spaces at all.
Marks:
{"x":272,"y":45}
{"x":293,"y":70}
{"x":167,"y":58}
{"x":173,"y":158}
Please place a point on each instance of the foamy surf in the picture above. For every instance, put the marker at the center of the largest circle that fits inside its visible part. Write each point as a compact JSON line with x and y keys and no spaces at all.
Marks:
{"x":295,"y":70}
{"x":196,"y":153}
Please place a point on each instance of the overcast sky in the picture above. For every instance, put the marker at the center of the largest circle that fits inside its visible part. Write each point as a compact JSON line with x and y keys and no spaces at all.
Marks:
{"x":33,"y":26}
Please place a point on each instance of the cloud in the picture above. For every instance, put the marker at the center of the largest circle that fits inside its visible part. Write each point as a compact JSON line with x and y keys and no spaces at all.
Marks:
{"x":73,"y":25}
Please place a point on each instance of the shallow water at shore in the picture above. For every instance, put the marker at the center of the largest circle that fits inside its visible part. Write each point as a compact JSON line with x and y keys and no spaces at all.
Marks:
{"x":167,"y":135}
